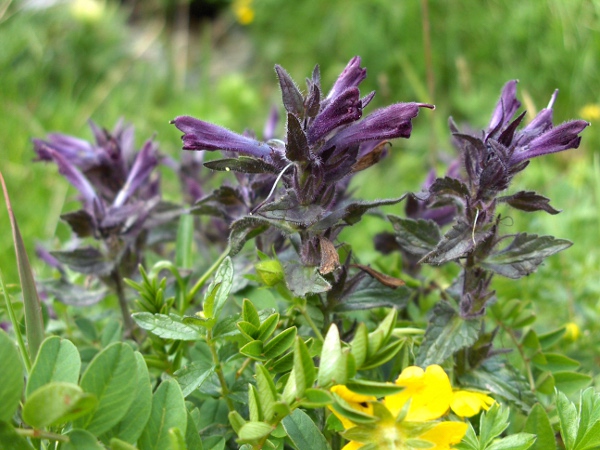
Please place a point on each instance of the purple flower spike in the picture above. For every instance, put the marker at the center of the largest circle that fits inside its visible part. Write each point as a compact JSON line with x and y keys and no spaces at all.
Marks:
{"x":200,"y":135}
{"x":351,"y":76}
{"x":145,"y":162}
{"x":391,"y":122}
{"x":345,"y":108}
{"x":81,"y":153}
{"x":562,"y":137}
{"x":505,"y":108}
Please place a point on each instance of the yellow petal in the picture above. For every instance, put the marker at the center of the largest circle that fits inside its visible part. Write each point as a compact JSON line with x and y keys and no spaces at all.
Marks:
{"x":445,"y":434}
{"x":352,"y":445}
{"x":469,"y":403}
{"x":429,"y":392}
{"x":356,"y":401}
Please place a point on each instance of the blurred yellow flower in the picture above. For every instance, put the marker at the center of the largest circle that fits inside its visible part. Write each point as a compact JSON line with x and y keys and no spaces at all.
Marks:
{"x":356,"y":401}
{"x":572,"y":331}
{"x":87,"y":10}
{"x":243,"y":11}
{"x":469,"y":403}
{"x":590,"y":112}
{"x":429,"y":392}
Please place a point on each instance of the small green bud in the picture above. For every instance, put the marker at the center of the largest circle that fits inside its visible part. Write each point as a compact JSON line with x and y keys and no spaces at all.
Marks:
{"x":269,"y":271}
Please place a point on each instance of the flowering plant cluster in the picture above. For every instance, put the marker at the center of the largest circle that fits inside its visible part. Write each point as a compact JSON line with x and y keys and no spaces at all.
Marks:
{"x":292,"y":342}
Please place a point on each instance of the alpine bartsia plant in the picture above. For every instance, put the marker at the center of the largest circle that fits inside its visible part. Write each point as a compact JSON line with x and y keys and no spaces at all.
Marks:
{"x":326,"y":142}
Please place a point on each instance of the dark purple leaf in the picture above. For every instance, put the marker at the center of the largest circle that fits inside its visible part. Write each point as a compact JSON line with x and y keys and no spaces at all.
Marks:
{"x":243,"y":164}
{"x":296,"y":148}
{"x":529,"y":201}
{"x":81,"y":222}
{"x":292,"y":98}
{"x":88,"y":260}
{"x":416,"y":237}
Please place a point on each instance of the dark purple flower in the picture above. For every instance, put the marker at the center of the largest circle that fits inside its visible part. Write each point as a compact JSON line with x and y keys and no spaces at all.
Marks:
{"x":345,"y":108}
{"x":145,"y":162}
{"x":351,"y":76}
{"x":200,"y":135}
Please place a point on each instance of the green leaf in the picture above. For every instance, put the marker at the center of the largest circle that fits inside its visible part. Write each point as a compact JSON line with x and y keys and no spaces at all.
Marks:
{"x":567,"y":419}
{"x":176,"y":439}
{"x":218,"y":290}
{"x":267,"y":328}
{"x":167,"y":327}
{"x":519,"y":441}
{"x":492,"y":423}
{"x":11,"y":386}
{"x":168,"y":411}
{"x":370,"y":294}
{"x":538,"y":424}
{"x":254,"y":431}
{"x":118,"y":444}
{"x":57,"y":403}
{"x":317,"y":398}
{"x":571,"y":382}
{"x":591,"y":438}
{"x":250,"y":314}
{"x":81,"y":439}
{"x":57,"y":360}
{"x":266,"y":392}
{"x":130,"y":428}
{"x":303,"y":280}
{"x":254,"y":350}
{"x":359,"y":345}
{"x":248,"y":330}
{"x":193,"y":375}
{"x":459,"y":241}
{"x":556,"y":362}
{"x":254,"y":407}
{"x":111,"y":377}
{"x":446,"y":333}
{"x":383,"y":355}
{"x":11,"y":440}
{"x":303,"y":432}
{"x":524,"y":254}
{"x":236,"y":420}
{"x":547,"y":340}
{"x":280,"y":343}
{"x":192,"y":437}
{"x":589,"y":411}
{"x":374,"y":388}
{"x":184,"y":244}
{"x":304,"y":367}
{"x":333,"y":365}
{"x":417,"y":237}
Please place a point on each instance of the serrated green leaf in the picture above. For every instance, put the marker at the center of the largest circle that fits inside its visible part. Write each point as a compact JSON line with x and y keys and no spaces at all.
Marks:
{"x":303,"y":432}
{"x":130,"y":428}
{"x":374,"y":388}
{"x":280,"y":343}
{"x":332,"y":369}
{"x":567,"y":419}
{"x":417,"y":237}
{"x":538,"y":424}
{"x":492,"y":423}
{"x":267,"y":328}
{"x":57,"y":360}
{"x":519,"y":441}
{"x":167,"y":327}
{"x":57,"y":403}
{"x":370,"y":294}
{"x":590,"y":439}
{"x":524,"y":254}
{"x":110,"y":376}
{"x":81,"y":439}
{"x":11,"y":386}
{"x":589,"y":411}
{"x":254,"y":431}
{"x":446,"y":333}
{"x":168,"y":411}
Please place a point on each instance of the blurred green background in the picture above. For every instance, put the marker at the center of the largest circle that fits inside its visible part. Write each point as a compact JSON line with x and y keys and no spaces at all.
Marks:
{"x":63,"y":63}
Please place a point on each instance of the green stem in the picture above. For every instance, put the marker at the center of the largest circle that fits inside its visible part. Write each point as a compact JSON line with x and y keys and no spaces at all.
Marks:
{"x":41,"y":434}
{"x":204,"y":278}
{"x":219,"y":370}
{"x":312,"y":325}
{"x":16,"y":327}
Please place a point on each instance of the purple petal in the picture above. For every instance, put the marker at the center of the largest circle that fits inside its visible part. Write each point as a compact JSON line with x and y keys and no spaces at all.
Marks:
{"x":144,"y":164}
{"x":271,"y":124}
{"x":344,"y":108}
{"x":562,"y":137}
{"x":391,"y":122}
{"x":505,"y":108}
{"x":200,"y":135}
{"x":540,"y":124}
{"x":90,"y":199}
{"x":81,"y":153}
{"x":351,"y":76}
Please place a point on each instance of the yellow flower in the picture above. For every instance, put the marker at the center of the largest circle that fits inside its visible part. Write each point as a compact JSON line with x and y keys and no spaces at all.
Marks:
{"x":469,"y":403}
{"x":572,"y":331}
{"x":445,"y":434}
{"x":429,"y":392}
{"x":243,"y":11}
{"x":590,"y":112}
{"x":352,"y":445}
{"x":358,"y":402}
